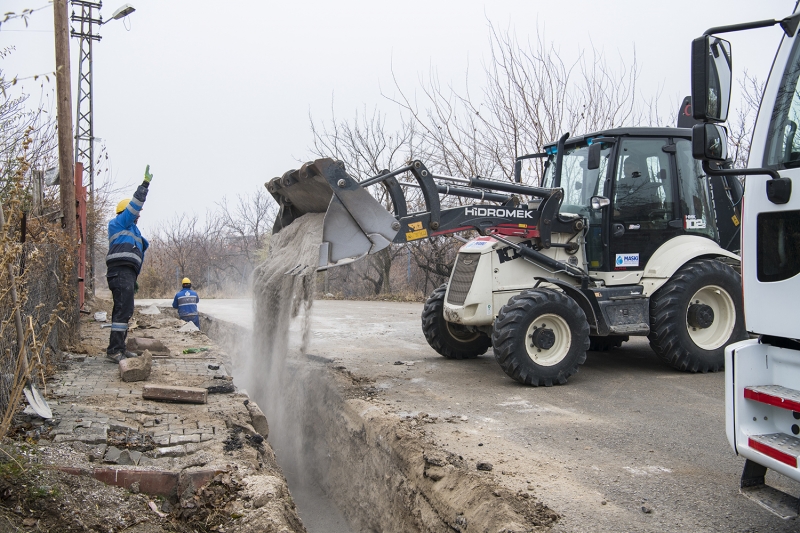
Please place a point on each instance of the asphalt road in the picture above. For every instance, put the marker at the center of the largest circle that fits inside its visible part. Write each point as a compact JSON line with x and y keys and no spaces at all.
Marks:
{"x":628,"y":444}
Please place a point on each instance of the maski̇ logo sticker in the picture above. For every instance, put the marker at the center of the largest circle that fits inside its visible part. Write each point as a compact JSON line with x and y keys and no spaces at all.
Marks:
{"x":627,"y":260}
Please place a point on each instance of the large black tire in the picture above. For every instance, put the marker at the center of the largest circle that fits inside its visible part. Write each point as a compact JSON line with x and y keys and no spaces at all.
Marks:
{"x":513,"y":337}
{"x":607,"y":343}
{"x":453,"y":341}
{"x":695,"y":348}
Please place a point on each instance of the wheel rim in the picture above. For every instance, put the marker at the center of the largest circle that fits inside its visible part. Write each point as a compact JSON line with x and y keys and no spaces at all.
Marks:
{"x":717,"y":334}
{"x":561,"y":346}
{"x":460,"y":333}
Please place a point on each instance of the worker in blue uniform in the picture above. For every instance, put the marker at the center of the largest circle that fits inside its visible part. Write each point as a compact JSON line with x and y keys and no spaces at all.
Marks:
{"x":126,"y":248}
{"x":185,"y":302}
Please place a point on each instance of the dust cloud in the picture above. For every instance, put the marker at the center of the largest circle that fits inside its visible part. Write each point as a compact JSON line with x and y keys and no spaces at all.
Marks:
{"x":277,"y":375}
{"x":283,"y":289}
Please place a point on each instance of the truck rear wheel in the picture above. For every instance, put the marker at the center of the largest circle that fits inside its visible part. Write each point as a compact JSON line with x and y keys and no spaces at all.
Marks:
{"x":453,"y":341}
{"x":696,"y":314}
{"x":540,"y":337}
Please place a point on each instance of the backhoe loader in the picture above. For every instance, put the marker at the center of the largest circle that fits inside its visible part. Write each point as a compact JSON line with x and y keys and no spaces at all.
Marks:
{"x":625,"y":235}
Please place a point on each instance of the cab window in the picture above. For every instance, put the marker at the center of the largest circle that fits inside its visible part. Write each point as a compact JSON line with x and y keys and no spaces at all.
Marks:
{"x":579,"y":183}
{"x":783,"y":140}
{"x":643,"y":195}
{"x":698,"y":218}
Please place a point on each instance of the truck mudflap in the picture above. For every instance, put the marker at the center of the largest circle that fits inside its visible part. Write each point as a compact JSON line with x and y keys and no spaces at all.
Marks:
{"x":355,"y":223}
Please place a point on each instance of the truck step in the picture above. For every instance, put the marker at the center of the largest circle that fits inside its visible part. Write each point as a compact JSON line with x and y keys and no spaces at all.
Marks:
{"x":773,"y":500}
{"x":774,"y":395}
{"x":780,"y":446}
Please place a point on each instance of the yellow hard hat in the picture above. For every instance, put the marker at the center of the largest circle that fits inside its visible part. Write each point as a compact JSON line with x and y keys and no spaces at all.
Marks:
{"x":122,"y":205}
{"x":186,"y":281}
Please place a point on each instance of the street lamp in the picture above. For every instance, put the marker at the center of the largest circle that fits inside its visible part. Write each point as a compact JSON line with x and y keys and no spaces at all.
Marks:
{"x":84,"y":124}
{"x":122,"y":12}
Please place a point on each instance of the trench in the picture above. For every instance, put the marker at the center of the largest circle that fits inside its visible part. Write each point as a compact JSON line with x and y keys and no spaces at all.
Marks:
{"x":352,"y":466}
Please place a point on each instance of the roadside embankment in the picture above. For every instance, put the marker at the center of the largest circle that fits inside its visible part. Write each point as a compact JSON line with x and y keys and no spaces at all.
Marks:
{"x":205,"y":466}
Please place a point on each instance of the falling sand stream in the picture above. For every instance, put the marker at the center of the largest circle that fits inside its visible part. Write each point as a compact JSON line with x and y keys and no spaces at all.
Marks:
{"x":275,"y":375}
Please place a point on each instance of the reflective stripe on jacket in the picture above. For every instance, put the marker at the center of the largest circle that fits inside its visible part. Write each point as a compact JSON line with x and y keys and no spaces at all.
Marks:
{"x":186,"y":302}
{"x":126,"y":246}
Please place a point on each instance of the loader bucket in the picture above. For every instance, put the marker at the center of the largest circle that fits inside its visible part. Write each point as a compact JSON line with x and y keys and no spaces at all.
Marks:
{"x":355,"y":225}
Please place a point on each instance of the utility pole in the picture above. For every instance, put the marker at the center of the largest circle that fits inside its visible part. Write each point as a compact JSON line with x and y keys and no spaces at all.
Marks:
{"x":66,"y":163}
{"x":84,"y":130}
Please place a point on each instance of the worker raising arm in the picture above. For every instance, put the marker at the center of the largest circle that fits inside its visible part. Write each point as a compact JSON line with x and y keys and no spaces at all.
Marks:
{"x":126,"y":248}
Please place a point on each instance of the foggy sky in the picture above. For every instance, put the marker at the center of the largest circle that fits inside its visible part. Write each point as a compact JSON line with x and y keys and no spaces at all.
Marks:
{"x":216,"y":96}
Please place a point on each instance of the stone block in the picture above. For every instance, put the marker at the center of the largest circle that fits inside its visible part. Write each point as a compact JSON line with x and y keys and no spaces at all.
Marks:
{"x":140,"y":344}
{"x":169,"y":393}
{"x":136,"y":368}
{"x":258,"y":419}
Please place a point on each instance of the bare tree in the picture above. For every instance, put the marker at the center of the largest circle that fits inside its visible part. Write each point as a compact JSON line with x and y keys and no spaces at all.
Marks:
{"x":741,"y":124}
{"x":248,"y":222}
{"x":178,"y":237}
{"x":531,"y":97}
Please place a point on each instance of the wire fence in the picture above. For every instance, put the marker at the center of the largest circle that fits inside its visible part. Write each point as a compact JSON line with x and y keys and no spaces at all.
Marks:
{"x":40,"y":274}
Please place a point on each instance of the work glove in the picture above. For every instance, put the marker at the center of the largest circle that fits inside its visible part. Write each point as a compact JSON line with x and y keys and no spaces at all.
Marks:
{"x":135,"y":287}
{"x":147,"y":175}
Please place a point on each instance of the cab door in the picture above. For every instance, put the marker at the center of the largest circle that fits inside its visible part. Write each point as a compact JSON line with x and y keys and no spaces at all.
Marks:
{"x":643,"y":209}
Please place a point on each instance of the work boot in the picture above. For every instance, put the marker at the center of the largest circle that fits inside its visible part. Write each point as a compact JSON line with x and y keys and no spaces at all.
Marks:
{"x":115,"y":357}
{"x":119,"y":356}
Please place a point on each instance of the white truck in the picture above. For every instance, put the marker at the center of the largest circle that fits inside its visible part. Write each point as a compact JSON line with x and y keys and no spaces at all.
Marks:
{"x":762,"y":374}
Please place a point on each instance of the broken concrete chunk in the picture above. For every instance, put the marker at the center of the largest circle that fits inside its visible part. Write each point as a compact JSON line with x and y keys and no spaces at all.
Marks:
{"x":140,"y":344}
{"x":258,"y":419}
{"x":483,"y":465}
{"x":150,"y":310}
{"x":112,"y":455}
{"x":136,"y":368}
{"x":175,"y":394}
{"x":125,"y":458}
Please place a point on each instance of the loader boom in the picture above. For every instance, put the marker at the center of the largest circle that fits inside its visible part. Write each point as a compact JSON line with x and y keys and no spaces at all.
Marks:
{"x":356,"y":224}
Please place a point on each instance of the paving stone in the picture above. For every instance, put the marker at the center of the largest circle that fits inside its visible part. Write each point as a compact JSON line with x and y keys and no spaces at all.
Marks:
{"x":140,"y":344}
{"x":125,"y":458}
{"x":175,"y":394}
{"x":112,"y":455}
{"x":136,"y":368}
{"x":136,"y":456}
{"x":64,"y":428}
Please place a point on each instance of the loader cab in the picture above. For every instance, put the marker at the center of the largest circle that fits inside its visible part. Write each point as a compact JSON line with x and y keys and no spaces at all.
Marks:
{"x":655,"y":190}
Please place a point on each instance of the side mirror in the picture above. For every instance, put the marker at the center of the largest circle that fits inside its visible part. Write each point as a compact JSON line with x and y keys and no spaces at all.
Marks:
{"x":599,"y":202}
{"x":709,"y":142}
{"x":711,"y":78}
{"x":593,"y":159}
